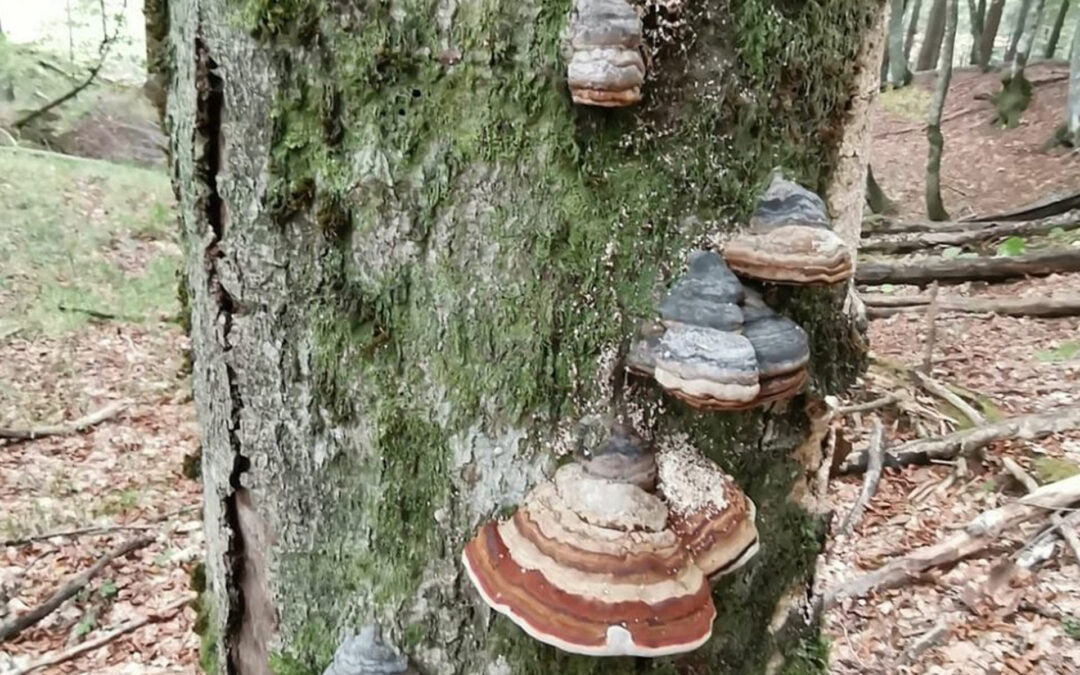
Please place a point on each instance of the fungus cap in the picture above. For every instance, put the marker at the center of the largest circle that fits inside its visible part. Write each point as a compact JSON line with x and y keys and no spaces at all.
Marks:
{"x":791,"y":254}
{"x":606,"y":68}
{"x":707,"y":364}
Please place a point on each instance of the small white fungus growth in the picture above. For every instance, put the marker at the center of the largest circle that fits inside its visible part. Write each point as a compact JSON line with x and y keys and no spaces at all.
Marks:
{"x":690,"y":482}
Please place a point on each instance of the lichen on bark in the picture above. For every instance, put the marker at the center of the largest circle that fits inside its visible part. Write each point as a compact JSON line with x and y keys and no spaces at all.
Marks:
{"x":433,"y":262}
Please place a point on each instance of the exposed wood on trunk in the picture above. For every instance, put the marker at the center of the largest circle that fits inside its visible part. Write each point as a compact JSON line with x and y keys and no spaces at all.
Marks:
{"x":979,"y":533}
{"x":81,"y":424}
{"x":935,"y":208}
{"x":973,"y":233}
{"x":873,"y":476}
{"x":1058,"y":518}
{"x":922,"y":451}
{"x":71,"y":587}
{"x":923,"y":272}
{"x":879,"y":306}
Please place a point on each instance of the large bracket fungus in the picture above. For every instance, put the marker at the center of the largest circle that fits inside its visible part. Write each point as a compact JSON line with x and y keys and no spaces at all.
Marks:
{"x":606,"y":68}
{"x":599,"y":561}
{"x":718,"y":346}
{"x":790,"y":240}
{"x":367,"y":654}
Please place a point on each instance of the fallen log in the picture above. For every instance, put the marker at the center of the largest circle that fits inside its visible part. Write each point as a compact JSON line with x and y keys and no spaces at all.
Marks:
{"x":81,"y":424}
{"x":906,"y":243}
{"x":870,"y":481}
{"x":977,"y":535}
{"x":958,"y":270}
{"x":924,"y":450}
{"x":1052,"y":208}
{"x":1057,"y":518}
{"x":872,"y":228}
{"x":879,"y":305}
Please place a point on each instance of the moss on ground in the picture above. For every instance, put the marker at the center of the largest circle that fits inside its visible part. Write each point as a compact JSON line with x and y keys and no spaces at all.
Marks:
{"x":485,"y":240}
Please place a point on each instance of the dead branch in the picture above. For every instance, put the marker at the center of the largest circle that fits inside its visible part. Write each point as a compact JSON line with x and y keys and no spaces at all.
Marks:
{"x":1059,"y":521}
{"x":880,"y":227}
{"x":931,"y":329}
{"x":90,"y":645}
{"x":882,"y":402}
{"x":941,"y":391}
{"x":923,"y":450}
{"x":979,"y":533}
{"x":957,"y":270}
{"x":871,"y":480}
{"x":1053,"y":208}
{"x":97,"y":529}
{"x":81,"y":424}
{"x":930,"y":638}
{"x":880,"y":305}
{"x":74,"y":584}
{"x":908,"y":243}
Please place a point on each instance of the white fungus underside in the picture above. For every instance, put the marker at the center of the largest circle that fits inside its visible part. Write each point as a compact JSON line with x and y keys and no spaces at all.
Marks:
{"x":690,"y":482}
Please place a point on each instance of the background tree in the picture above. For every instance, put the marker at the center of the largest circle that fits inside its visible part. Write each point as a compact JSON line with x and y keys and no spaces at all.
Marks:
{"x":935,"y":32}
{"x":976,"y":17}
{"x":898,"y":72}
{"x":912,"y":30}
{"x":935,"y":208}
{"x":1072,"y":104}
{"x":1055,"y":32}
{"x":1015,"y":94}
{"x":989,"y":32}
{"x":1019,"y":24}
{"x":414,"y":264}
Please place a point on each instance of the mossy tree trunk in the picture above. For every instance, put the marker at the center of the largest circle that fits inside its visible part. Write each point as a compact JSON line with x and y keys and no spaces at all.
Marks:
{"x":989,"y":32}
{"x":414,"y":264}
{"x":935,"y":208}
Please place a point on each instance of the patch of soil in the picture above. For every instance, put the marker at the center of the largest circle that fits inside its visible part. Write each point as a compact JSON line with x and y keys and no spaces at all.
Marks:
{"x":102,"y":135}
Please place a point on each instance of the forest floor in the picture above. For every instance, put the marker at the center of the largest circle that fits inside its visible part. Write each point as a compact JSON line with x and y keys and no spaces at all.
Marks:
{"x":88,"y":257}
{"x":982,"y":615}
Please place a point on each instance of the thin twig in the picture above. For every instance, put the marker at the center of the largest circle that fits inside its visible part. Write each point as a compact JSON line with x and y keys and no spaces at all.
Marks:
{"x":73,"y":586}
{"x":882,"y":402}
{"x":96,"y":314}
{"x":82,"y":423}
{"x":66,"y":655}
{"x":943,"y":392}
{"x":931,"y":329}
{"x":97,"y":529}
{"x":1060,"y":522}
{"x":872,"y":478}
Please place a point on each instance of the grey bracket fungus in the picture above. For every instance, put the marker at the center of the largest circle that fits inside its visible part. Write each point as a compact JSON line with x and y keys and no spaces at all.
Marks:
{"x":622,"y":456}
{"x":790,"y":240}
{"x":780,"y":345}
{"x":606,"y":68}
{"x":367,"y":654}
{"x":707,"y":367}
{"x":707,"y":295}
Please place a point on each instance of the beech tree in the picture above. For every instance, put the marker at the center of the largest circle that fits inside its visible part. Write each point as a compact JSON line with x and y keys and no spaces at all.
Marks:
{"x":1072,"y":105}
{"x":933,"y":36}
{"x":1015,"y":94}
{"x":989,"y":32}
{"x":1055,"y":32}
{"x":414,"y":263}
{"x":898,"y":72}
{"x":912,"y":30}
{"x":1019,"y":25}
{"x":976,"y":16}
{"x":935,"y":209}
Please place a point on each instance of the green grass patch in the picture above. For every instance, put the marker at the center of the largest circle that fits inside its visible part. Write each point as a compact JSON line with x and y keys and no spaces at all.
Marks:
{"x":910,"y":102}
{"x":1062,"y":352}
{"x":84,"y":235}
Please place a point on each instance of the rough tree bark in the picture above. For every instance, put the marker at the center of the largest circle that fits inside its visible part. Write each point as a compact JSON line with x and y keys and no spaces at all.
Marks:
{"x":989,"y":32}
{"x":935,"y":209}
{"x":932,"y":40}
{"x":1018,"y":29}
{"x":976,"y":17}
{"x":912,"y":30}
{"x":1055,"y":32}
{"x":899,"y":74}
{"x":414,"y":265}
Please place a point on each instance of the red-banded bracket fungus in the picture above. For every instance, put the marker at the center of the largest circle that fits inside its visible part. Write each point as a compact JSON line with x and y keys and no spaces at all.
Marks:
{"x":606,"y":68}
{"x":718,"y":346}
{"x":594,"y":563}
{"x":789,"y":240}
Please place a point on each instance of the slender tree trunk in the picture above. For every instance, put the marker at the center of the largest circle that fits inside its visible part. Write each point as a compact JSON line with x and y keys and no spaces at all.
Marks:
{"x":1055,"y":32}
{"x":414,"y":264}
{"x":898,"y":66}
{"x":1015,"y":94}
{"x":1028,"y":42}
{"x":912,"y":30}
{"x":989,"y":32}
{"x":1018,"y":30}
{"x":935,"y":32}
{"x":1072,"y":105}
{"x":977,"y":13}
{"x":935,"y":209}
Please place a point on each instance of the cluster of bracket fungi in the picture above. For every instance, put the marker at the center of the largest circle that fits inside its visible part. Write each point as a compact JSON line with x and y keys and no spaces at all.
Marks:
{"x":614,"y":554}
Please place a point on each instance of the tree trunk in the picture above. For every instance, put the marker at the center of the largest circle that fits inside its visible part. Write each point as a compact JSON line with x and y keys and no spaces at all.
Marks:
{"x":989,"y":32}
{"x":1055,"y":32}
{"x":912,"y":30}
{"x":935,"y":32}
{"x":1072,"y":105}
{"x":876,"y":198}
{"x":414,"y":264}
{"x":898,"y":65}
{"x":935,"y":209}
{"x":1015,"y":94}
{"x":1018,"y":30}
{"x":977,"y":14}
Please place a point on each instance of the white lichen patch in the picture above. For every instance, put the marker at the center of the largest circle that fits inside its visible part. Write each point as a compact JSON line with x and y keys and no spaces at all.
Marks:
{"x":689,"y":482}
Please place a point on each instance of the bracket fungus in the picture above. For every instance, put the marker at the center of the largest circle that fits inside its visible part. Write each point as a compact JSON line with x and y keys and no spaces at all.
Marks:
{"x":720,"y":347}
{"x":606,"y":68}
{"x":790,"y":240}
{"x":367,"y":654}
{"x":602,"y":562}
